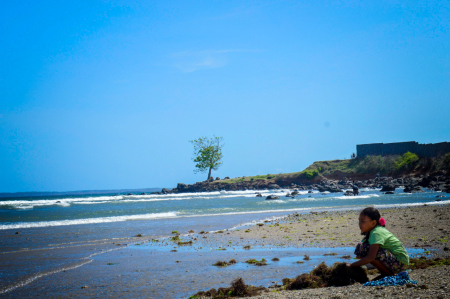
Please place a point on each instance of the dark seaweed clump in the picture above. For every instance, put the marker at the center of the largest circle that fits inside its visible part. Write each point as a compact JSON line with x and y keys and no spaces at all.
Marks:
{"x":322,"y":276}
{"x":305,"y":281}
{"x":238,"y":288}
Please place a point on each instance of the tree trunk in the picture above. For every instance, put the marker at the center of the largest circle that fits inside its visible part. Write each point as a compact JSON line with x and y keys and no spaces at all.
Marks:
{"x":209,"y":174}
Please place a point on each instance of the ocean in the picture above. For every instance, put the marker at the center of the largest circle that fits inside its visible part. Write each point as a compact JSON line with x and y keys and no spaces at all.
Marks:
{"x":52,"y":244}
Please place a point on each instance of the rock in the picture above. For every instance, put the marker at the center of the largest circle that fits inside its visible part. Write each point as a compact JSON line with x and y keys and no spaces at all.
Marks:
{"x":348,"y":193}
{"x":258,"y":195}
{"x":310,"y":191}
{"x":181,"y":186}
{"x":288,"y":195}
{"x":165,"y":191}
{"x":295,"y":192}
{"x":17,"y":233}
{"x":389,"y":192}
{"x":388,"y":187}
{"x":274,"y":186}
{"x":217,"y":179}
{"x":272,"y":197}
{"x":226,"y":178}
{"x":211,"y":179}
{"x":413,"y":189}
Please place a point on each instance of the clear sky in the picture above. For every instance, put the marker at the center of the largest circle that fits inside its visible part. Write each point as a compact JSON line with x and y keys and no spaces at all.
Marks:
{"x":106,"y":94}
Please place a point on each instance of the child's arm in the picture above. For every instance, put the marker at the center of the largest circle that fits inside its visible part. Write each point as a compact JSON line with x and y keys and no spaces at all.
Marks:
{"x":373,"y":250}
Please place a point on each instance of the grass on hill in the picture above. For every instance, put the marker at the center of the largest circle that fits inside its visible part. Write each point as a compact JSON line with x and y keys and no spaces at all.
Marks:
{"x":383,"y":165}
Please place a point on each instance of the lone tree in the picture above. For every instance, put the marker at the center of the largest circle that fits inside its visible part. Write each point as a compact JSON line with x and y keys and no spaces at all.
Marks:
{"x":207,"y":154}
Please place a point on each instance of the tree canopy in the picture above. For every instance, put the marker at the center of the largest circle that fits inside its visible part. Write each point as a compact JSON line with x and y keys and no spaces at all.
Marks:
{"x":207,"y":154}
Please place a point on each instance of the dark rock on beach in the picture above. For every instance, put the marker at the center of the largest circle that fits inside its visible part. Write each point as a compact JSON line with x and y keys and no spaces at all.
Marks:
{"x":272,"y":197}
{"x":388,"y":187}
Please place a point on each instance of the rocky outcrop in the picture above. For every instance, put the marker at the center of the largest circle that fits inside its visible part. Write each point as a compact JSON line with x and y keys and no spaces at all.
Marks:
{"x":413,"y":189}
{"x":438,"y":181}
{"x":272,"y":197}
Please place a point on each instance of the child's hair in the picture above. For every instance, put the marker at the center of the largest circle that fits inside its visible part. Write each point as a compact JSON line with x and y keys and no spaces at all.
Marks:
{"x":373,"y":214}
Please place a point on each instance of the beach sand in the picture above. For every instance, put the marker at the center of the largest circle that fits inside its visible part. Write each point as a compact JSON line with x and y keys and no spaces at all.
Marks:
{"x":422,"y":226}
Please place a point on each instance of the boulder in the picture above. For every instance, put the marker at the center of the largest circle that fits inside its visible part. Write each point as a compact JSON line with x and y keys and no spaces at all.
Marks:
{"x":217,"y":179}
{"x":274,"y":186}
{"x":295,"y":192}
{"x":413,"y":189}
{"x":165,"y":191}
{"x":389,"y":192}
{"x":388,"y":187}
{"x":272,"y":197}
{"x":258,"y":195}
{"x":226,"y":178}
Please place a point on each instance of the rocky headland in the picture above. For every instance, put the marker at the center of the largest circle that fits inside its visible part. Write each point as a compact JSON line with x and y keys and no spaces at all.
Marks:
{"x":339,"y":175}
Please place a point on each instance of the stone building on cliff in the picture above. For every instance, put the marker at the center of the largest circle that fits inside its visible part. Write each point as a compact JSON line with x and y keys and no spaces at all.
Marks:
{"x":399,"y":148}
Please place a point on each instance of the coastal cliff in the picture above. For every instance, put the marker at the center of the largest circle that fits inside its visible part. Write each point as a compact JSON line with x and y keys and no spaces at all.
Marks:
{"x":336,"y":175}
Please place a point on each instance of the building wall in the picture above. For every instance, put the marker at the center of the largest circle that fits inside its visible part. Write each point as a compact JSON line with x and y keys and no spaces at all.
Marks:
{"x":399,"y":148}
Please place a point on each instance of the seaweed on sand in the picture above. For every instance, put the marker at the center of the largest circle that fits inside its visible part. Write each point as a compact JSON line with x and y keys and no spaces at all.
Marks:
{"x":423,"y":262}
{"x":238,"y":288}
{"x":321,"y":276}
{"x":255,"y":262}
{"x":342,"y":275}
{"x":221,"y":264}
{"x":305,"y":281}
{"x":322,"y":271}
{"x":185,"y":243}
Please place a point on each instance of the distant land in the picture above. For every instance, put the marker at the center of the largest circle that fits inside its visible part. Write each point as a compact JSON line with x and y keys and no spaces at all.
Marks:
{"x":82,"y":192}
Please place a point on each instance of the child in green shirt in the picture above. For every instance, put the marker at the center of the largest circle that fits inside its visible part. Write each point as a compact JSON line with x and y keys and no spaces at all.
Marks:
{"x":379,"y":247}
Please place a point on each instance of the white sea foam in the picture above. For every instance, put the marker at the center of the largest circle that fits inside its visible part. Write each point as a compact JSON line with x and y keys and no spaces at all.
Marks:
{"x":359,"y":196}
{"x":135,"y":198}
{"x":88,"y":220}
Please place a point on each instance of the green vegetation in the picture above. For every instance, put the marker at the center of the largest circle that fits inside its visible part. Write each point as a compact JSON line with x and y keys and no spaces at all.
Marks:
{"x":406,"y":160}
{"x":422,"y":263}
{"x":255,"y":262}
{"x":207,"y":154}
{"x":310,"y":174}
{"x":447,"y":159}
{"x":383,"y":165}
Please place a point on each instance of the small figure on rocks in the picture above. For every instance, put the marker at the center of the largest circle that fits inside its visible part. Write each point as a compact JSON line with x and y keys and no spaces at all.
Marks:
{"x":379,"y":247}
{"x":355,"y":189}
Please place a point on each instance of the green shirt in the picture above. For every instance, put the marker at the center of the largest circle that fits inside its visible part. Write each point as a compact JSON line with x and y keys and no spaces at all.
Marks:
{"x":380,"y":235}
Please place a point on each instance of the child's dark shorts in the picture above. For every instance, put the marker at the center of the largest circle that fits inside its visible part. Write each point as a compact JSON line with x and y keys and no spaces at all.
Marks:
{"x":383,"y":255}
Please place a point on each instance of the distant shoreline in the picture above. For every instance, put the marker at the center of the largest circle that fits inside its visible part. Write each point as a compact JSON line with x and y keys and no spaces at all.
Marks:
{"x":81,"y":192}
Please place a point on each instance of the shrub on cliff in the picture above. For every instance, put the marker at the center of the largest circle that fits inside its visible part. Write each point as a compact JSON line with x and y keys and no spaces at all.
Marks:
{"x":310,"y":174}
{"x":447,"y":159}
{"x":406,"y":160}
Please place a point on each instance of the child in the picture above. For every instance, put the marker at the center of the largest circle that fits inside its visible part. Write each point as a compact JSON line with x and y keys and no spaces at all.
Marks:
{"x":379,"y":247}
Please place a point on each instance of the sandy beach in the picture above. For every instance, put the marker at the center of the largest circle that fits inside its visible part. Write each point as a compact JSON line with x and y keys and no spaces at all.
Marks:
{"x":422,"y":226}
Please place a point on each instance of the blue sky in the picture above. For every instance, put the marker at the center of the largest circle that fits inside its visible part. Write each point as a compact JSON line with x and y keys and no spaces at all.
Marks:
{"x":106,"y":94}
